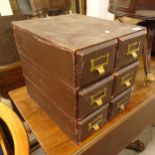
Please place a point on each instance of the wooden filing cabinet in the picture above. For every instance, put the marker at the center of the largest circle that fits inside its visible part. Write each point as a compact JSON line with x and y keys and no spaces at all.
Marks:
{"x":73,"y":67}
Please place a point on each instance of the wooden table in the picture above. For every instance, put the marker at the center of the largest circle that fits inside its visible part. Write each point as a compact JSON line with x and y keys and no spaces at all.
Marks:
{"x":110,"y":140}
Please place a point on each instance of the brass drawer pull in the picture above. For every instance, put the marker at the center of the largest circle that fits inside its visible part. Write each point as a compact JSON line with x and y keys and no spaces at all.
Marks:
{"x":127,"y":83}
{"x":122,"y":107}
{"x":133,"y":49}
{"x":95,"y":124}
{"x":98,"y":97}
{"x":126,"y":80}
{"x":100,"y":69}
{"x":99,"y":102}
{"x":99,"y":64}
{"x":133,"y":54}
{"x":121,"y":104}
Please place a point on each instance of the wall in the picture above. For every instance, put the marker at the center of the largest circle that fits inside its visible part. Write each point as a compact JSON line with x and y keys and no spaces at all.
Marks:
{"x":5,"y":8}
{"x":99,"y":8}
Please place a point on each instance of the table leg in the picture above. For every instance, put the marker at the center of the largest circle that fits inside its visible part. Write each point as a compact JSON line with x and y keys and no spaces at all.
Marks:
{"x":150,"y":25}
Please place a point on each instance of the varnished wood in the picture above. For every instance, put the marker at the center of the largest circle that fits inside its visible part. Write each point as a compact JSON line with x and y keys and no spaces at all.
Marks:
{"x":10,"y":71}
{"x":6,"y":68}
{"x":56,"y":87}
{"x":17,"y":130}
{"x":124,"y":127}
{"x":11,"y":77}
{"x":2,"y":143}
{"x":135,"y":8}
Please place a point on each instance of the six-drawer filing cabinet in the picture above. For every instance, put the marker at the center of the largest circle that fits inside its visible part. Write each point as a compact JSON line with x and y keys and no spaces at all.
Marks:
{"x":79,"y":69}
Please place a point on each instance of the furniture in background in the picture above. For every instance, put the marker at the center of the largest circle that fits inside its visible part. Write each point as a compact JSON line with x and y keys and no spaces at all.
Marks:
{"x":153,"y":47}
{"x":125,"y":127}
{"x":12,"y":128}
{"x":99,"y":78}
{"x":145,"y":11}
{"x":43,"y":8}
{"x":81,"y":6}
{"x":11,"y":76}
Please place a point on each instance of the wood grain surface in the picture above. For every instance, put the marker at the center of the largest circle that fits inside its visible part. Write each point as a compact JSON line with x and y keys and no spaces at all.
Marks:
{"x":63,"y":31}
{"x":110,"y":140}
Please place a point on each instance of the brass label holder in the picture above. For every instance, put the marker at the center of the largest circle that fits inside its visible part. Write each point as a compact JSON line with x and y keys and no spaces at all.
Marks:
{"x":98,"y":97}
{"x":126,"y":80}
{"x":95,"y":124}
{"x":121,"y":104}
{"x":133,"y":52}
{"x":98,"y":64}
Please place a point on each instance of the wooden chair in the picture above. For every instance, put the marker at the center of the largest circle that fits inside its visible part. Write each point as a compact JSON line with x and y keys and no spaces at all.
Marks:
{"x":11,"y":77}
{"x":135,"y":8}
{"x":17,"y":131}
{"x":42,"y":8}
{"x":144,"y":11}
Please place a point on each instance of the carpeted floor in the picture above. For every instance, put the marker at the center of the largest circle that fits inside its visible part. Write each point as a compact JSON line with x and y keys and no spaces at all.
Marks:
{"x":150,"y":149}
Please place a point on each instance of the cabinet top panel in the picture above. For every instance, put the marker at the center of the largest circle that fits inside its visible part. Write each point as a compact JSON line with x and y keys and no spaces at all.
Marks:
{"x":74,"y":32}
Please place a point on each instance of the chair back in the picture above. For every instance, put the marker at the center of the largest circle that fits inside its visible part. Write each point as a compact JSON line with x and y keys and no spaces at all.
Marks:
{"x":17,"y":131}
{"x":36,"y":7}
{"x":130,"y":6}
{"x":8,"y":50}
{"x":33,"y":7}
{"x":11,"y":77}
{"x":122,"y":6}
{"x":145,"y":5}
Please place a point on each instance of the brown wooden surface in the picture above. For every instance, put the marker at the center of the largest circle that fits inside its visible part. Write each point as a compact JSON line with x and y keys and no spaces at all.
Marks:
{"x":59,"y":4}
{"x":144,"y":10}
{"x":119,"y":103}
{"x":8,"y":50}
{"x":133,"y":8}
{"x":11,"y":77}
{"x":52,"y":31}
{"x":124,"y":127}
{"x":17,"y":130}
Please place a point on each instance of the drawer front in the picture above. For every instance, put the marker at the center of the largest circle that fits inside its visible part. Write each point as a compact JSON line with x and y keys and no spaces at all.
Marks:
{"x":119,"y":103}
{"x":92,"y":123}
{"x":124,"y":78}
{"x":93,"y":97}
{"x":129,"y":49}
{"x":95,"y":62}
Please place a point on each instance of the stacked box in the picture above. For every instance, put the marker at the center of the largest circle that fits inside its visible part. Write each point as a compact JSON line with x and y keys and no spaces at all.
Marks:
{"x":76,"y":66}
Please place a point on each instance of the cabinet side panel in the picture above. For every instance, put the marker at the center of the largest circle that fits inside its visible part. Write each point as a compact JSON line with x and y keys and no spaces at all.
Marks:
{"x":51,"y":58}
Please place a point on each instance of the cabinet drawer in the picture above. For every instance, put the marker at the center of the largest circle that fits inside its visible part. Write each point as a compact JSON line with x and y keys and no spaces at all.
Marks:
{"x":94,"y":96}
{"x":92,"y":123}
{"x":124,"y":78}
{"x":95,"y":62}
{"x":119,"y":103}
{"x":129,"y":49}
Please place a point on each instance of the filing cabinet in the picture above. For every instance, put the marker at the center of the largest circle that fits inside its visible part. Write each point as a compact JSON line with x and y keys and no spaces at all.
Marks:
{"x":75,"y":66}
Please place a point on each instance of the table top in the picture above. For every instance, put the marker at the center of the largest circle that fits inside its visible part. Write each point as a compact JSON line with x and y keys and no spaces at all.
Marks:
{"x":123,"y":128}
